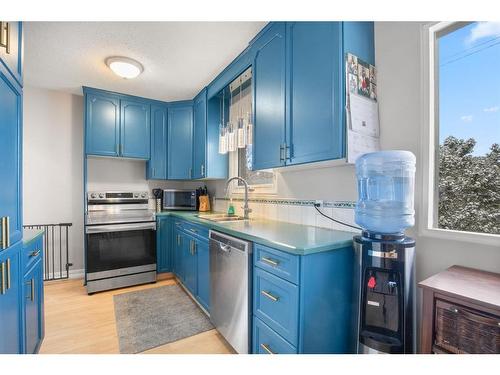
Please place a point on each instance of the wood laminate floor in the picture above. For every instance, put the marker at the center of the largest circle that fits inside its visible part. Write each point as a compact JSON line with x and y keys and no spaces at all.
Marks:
{"x":77,"y":323}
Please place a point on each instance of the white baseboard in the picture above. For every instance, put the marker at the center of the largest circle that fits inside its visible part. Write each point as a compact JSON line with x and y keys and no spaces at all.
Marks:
{"x":76,"y":274}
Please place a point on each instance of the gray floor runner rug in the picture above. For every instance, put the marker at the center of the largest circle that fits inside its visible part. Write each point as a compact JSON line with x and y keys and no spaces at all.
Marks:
{"x":153,"y":317}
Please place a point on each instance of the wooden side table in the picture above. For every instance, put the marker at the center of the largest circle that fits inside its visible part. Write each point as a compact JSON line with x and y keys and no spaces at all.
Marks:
{"x":461,"y":312}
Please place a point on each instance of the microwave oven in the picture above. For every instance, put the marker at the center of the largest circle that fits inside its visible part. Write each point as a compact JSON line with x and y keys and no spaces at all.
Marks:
{"x":177,"y":199}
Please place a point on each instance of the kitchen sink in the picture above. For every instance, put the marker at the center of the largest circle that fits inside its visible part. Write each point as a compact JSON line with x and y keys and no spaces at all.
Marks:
{"x":220,"y":218}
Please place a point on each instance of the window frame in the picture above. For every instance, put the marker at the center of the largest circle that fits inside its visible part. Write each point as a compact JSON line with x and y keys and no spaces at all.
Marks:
{"x":430,"y":140}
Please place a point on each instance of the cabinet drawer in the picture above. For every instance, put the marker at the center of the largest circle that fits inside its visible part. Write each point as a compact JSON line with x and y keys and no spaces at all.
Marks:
{"x":277,"y":262}
{"x":195,"y":230}
{"x":32,"y":253}
{"x":275,"y":302}
{"x":266,"y":341}
{"x":459,"y":329}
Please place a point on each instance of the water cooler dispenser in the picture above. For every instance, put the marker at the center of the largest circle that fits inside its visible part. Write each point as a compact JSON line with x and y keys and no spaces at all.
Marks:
{"x":384,"y":295}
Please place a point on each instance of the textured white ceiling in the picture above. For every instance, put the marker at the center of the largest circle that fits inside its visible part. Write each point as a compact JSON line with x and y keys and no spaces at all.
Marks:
{"x":179,"y":58}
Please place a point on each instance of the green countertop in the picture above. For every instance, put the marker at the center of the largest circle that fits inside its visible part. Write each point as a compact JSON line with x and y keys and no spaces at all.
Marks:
{"x":31,"y":235}
{"x":292,"y":238}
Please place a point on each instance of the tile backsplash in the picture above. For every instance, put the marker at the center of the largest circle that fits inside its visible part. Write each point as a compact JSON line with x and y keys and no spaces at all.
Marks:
{"x":295,"y":211}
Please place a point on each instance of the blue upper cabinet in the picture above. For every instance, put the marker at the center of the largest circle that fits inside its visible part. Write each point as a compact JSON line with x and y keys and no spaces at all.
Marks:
{"x":134,"y":129}
{"x":11,"y":55}
{"x":116,"y":125}
{"x":200,"y":135}
{"x":102,"y":125}
{"x":157,"y":165}
{"x":269,"y":72}
{"x":315,"y":130}
{"x":180,"y":141}
{"x":10,"y":156}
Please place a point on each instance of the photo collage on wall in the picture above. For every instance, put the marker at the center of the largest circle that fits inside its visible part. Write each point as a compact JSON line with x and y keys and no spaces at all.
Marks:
{"x":362,"y":77}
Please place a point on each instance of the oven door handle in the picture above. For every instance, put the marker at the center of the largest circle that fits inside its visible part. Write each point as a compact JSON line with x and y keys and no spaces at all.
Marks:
{"x":119,"y":227}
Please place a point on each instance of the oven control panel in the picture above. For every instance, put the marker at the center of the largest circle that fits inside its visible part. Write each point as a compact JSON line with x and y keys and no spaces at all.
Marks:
{"x":122,"y":196}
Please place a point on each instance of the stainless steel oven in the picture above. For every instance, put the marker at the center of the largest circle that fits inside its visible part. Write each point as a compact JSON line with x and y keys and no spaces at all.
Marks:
{"x":120,"y":234}
{"x":176,"y":199}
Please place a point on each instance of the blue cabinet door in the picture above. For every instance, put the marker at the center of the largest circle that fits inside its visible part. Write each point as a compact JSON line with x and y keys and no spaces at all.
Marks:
{"x":179,"y":253}
{"x":102,"y":125}
{"x":190,"y":264}
{"x":13,"y":60}
{"x":135,"y":134}
{"x":157,"y":165}
{"x":164,"y":245}
{"x":203,"y":260}
{"x":180,"y":142}
{"x":10,"y":300}
{"x":10,"y":155}
{"x":269,"y":98}
{"x":315,"y":130}
{"x":200,"y":135}
{"x":33,"y":308}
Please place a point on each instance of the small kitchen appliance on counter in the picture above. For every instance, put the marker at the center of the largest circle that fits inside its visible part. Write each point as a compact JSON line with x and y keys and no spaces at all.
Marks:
{"x":120,"y":246}
{"x":384,"y":293}
{"x":180,"y":199}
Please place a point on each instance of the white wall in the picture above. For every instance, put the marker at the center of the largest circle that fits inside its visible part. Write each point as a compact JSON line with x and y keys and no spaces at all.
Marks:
{"x":53,"y":163}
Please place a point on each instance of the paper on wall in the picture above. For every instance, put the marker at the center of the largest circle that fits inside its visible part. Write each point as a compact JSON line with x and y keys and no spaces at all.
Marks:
{"x":363,"y":127}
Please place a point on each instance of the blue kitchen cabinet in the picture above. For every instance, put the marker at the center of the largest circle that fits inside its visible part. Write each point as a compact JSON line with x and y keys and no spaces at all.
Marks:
{"x":315,"y":129}
{"x":269,"y":90}
{"x":200,"y":134}
{"x":180,"y":141}
{"x":11,"y":56}
{"x":178,"y":251}
{"x":164,"y":235}
{"x":302,"y":303}
{"x":11,"y":300}
{"x":156,"y":167}
{"x":102,"y":124}
{"x":203,"y":273}
{"x":135,"y":133}
{"x":299,"y":90}
{"x":33,"y":308}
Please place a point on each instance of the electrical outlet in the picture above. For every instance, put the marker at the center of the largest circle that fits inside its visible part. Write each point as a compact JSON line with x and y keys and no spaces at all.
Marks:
{"x":318,"y":203}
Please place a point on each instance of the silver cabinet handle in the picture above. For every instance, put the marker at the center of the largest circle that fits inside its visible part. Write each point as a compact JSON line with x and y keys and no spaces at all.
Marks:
{"x":2,"y":278}
{"x":193,"y":230}
{"x":8,"y":273}
{"x":270,"y":261}
{"x":31,"y":283}
{"x":282,"y":159}
{"x":178,"y":240}
{"x":269,"y":295}
{"x":267,"y":348}
{"x":190,"y":172}
{"x":203,"y":169}
{"x":34,"y":253}
{"x":5,"y":38}
{"x":5,"y":232}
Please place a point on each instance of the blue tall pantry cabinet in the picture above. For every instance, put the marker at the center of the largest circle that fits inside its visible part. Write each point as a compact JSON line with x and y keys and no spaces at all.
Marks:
{"x":156,"y":168}
{"x":11,"y":99}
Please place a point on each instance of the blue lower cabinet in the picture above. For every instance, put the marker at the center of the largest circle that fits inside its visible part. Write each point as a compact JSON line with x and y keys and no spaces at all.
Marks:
{"x":266,"y":341}
{"x":164,"y":244}
{"x":33,"y":308}
{"x":10,"y":300}
{"x":312,"y":313}
{"x":203,"y":280}
{"x":178,"y":251}
{"x":276,"y":302}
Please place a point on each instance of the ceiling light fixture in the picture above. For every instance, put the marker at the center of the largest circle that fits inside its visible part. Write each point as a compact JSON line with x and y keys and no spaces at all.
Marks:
{"x":124,"y":67}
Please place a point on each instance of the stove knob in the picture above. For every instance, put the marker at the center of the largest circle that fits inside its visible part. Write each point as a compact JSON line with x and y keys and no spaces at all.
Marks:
{"x":136,"y":195}
{"x":144,"y":195}
{"x":101,"y":195}
{"x":93,"y":195}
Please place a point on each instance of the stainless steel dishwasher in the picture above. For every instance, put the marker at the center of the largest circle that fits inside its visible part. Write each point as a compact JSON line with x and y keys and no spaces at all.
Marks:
{"x":230,"y":289}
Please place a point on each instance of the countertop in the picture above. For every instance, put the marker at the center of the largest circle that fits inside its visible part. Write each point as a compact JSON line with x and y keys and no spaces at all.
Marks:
{"x":31,"y":234}
{"x":292,"y":238}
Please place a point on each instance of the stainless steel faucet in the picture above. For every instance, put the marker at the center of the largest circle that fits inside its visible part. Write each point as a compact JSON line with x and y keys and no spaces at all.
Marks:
{"x":246,"y":209}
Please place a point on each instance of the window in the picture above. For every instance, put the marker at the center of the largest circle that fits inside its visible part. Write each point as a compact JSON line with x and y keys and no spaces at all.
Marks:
{"x":240,"y":161}
{"x":464,"y":104}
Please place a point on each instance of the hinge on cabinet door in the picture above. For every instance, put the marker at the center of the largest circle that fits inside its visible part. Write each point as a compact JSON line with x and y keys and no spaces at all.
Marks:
{"x":282,"y":159}
{"x":203,"y":169}
{"x":190,"y":172}
{"x":288,"y":152}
